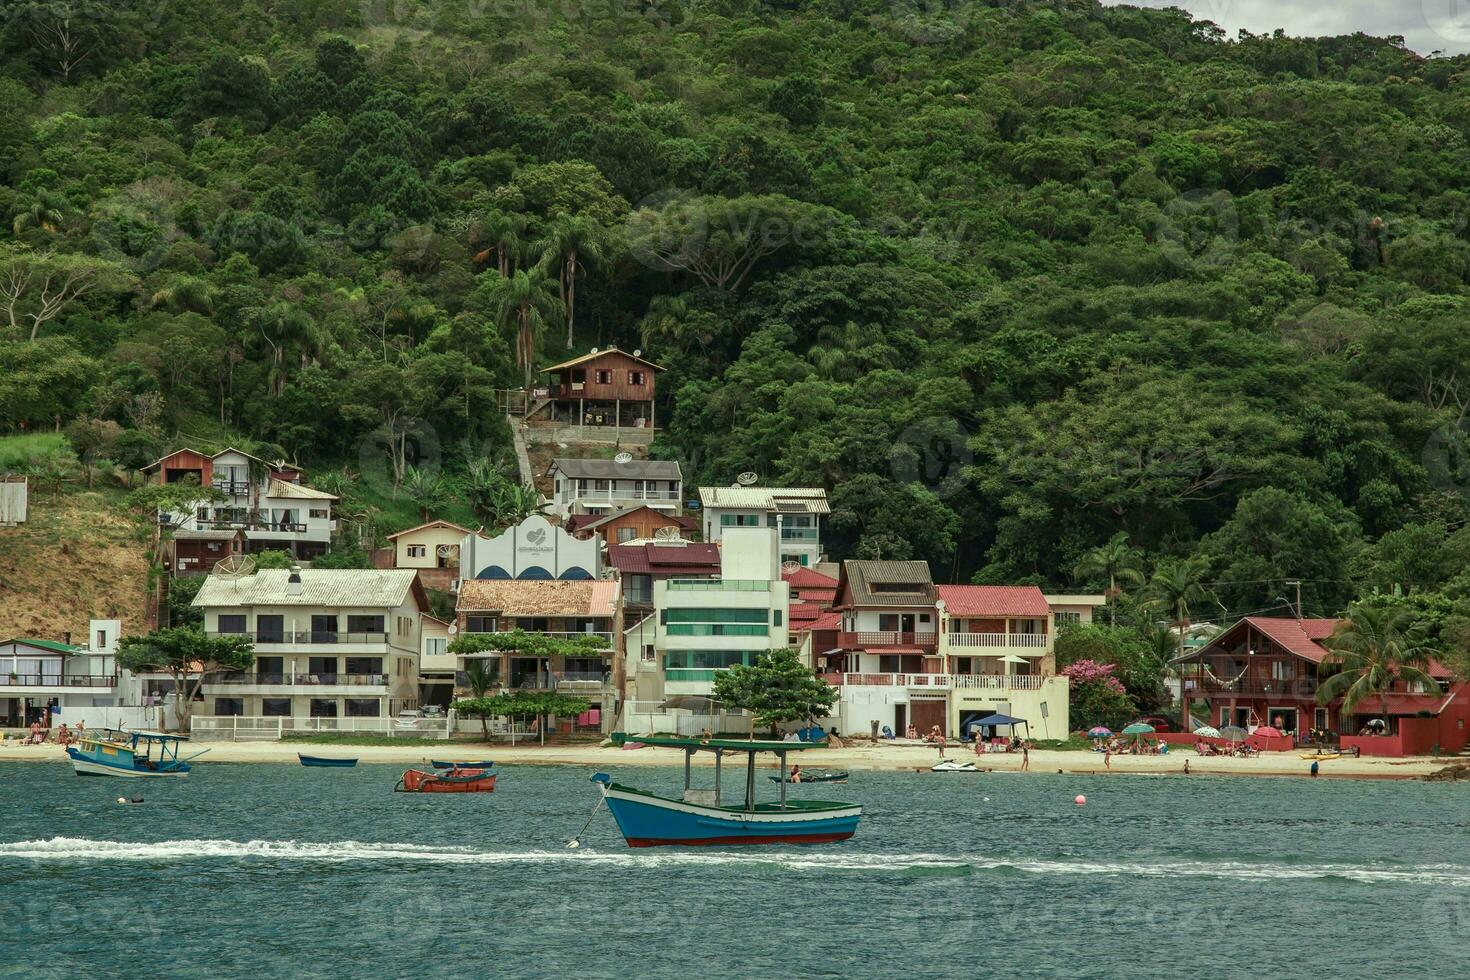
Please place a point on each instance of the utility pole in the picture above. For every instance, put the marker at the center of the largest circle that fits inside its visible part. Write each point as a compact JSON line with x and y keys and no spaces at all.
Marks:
{"x":1298,"y":583}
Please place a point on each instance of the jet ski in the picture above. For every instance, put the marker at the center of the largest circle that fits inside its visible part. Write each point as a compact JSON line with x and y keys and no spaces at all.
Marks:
{"x":954,"y":765}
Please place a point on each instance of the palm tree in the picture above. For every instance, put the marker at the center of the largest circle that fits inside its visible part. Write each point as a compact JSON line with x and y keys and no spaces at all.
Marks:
{"x":46,"y":210}
{"x":1117,"y":561}
{"x":504,"y":236}
{"x":1177,"y":582}
{"x":1371,"y":649}
{"x":571,"y":240}
{"x":186,"y":294}
{"x":285,"y":327}
{"x":480,"y":675}
{"x":527,"y":302}
{"x":425,"y":488}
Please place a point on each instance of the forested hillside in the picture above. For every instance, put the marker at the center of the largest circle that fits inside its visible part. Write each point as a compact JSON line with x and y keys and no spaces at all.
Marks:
{"x":1008,"y":277}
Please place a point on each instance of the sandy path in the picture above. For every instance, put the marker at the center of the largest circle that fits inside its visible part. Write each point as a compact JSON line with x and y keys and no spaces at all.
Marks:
{"x":856,"y":757}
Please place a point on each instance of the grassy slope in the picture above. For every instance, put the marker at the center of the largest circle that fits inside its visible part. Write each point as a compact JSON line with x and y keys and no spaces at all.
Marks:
{"x":76,"y":558}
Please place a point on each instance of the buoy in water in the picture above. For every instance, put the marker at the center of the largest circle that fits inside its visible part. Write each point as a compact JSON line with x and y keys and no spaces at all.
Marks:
{"x":122,"y":799}
{"x":1080,"y":800}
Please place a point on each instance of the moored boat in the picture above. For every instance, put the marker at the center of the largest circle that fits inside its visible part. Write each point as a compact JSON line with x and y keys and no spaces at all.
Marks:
{"x":132,"y":755}
{"x":814,"y":777}
{"x":324,"y":762}
{"x":447,"y":781}
{"x":648,"y":820}
{"x":485,"y":764}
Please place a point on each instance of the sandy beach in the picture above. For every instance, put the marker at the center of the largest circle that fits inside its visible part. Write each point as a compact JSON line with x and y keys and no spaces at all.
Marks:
{"x":858,"y":757}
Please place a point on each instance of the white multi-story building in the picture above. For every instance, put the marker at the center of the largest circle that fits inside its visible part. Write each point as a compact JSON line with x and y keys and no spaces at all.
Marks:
{"x":329,"y":643}
{"x":601,"y":486}
{"x":795,"y":511}
{"x":43,"y":680}
{"x":269,"y":504}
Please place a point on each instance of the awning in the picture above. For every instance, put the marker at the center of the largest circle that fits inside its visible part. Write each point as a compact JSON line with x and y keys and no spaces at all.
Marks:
{"x":998,"y":719}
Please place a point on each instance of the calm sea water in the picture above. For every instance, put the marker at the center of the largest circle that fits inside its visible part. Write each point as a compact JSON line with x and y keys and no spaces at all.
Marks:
{"x":275,"y":870}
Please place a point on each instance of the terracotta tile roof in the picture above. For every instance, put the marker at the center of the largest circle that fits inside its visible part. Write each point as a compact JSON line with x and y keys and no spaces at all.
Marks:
{"x":1302,"y":637}
{"x":538,"y":597}
{"x":665,"y":559}
{"x":591,"y":522}
{"x":802,"y":614}
{"x":805,"y":578}
{"x":826,"y":621}
{"x":994,"y":600}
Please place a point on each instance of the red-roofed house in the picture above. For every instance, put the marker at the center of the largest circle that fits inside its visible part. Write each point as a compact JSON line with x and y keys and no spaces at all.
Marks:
{"x":1266,"y":671}
{"x":811,"y":586}
{"x":640,"y":565}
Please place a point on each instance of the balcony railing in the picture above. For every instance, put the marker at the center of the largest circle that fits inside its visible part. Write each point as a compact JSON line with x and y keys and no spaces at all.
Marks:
{"x":885,"y":638}
{"x":236,"y":488}
{"x":310,"y":680}
{"x":621,"y":494}
{"x":1035,"y":641}
{"x":56,"y":680}
{"x":305,"y":636}
{"x":798,"y":534}
{"x":942,"y":682}
{"x":719,"y":585}
{"x":289,"y":527}
{"x":604,"y":636}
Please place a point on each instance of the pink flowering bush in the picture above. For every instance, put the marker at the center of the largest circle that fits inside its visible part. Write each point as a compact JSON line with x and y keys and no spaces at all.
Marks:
{"x":1096,"y":696}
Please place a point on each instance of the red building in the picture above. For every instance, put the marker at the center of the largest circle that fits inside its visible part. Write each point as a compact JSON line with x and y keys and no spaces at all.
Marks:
{"x":1266,"y":671}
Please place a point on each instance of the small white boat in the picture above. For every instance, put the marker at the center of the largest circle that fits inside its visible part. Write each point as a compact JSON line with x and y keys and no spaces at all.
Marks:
{"x":954,"y":765}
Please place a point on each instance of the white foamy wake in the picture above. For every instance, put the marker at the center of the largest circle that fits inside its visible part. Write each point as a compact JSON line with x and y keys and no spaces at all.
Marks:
{"x":58,"y":849}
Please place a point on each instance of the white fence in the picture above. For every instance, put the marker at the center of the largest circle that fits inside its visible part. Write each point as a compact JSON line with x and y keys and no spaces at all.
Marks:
{"x":246,"y":728}
{"x":648,"y":717}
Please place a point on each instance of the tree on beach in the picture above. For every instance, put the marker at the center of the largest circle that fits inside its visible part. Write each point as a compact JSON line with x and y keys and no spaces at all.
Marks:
{"x":1371,"y":649}
{"x":1176,"y":583}
{"x":777,"y":688}
{"x":187,"y":654}
{"x":480,"y":675}
{"x":521,"y":705}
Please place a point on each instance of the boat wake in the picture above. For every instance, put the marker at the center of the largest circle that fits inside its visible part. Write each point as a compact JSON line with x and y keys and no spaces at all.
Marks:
{"x":72,"y":849}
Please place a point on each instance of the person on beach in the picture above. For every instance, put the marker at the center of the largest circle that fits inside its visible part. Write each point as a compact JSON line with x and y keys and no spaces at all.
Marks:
{"x":1108,"y":758}
{"x":937,"y":737}
{"x":1314,"y":768}
{"x":1186,"y":767}
{"x":1025,"y":756}
{"x":912,"y":733}
{"x":63,"y":737}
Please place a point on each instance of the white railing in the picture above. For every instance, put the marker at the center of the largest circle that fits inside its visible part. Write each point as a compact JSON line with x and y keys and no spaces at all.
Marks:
{"x":630,"y":494}
{"x":1035,"y":641}
{"x":251,"y":728}
{"x":604,"y":636}
{"x":943,"y":682}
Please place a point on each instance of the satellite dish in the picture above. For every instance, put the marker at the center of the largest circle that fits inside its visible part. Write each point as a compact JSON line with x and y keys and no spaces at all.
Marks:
{"x":637,"y":352}
{"x":594,"y":350}
{"x":621,"y":458}
{"x":746,"y":479}
{"x":235,"y":566}
{"x":453,"y":629}
{"x":669,"y":533}
{"x":790,"y":567}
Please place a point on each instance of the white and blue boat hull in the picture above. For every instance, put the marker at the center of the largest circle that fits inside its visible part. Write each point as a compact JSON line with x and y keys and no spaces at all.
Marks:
{"x":86,"y":766}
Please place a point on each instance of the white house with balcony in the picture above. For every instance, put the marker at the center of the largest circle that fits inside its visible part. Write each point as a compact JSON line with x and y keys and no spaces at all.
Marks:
{"x":38,"y":677}
{"x":334,"y":648}
{"x":705,"y":625}
{"x":796,"y":511}
{"x":601,"y":486}
{"x":269,"y":503}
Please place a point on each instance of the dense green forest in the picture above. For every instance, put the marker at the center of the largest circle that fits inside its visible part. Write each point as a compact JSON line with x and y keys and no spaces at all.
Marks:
{"x":1008,"y":277}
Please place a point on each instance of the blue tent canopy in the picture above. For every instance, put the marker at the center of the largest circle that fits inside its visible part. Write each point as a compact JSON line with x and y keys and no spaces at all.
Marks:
{"x":998,"y":719}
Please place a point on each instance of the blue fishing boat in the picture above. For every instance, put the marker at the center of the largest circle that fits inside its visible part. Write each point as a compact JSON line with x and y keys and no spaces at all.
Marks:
{"x":112,"y":752}
{"x":698,"y":817}
{"x":325,"y":763}
{"x":486,"y":764}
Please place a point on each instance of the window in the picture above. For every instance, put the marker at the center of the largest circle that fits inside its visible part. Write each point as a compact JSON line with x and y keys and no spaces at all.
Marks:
{"x":232,"y":623}
{"x":601,"y":485}
{"x":323,"y":708}
{"x":228,"y":707}
{"x":635,"y":378}
{"x":417,"y":551}
{"x":362,"y":707}
{"x":435,"y":646}
{"x":715,"y":622}
{"x":626,"y":534}
{"x":479,"y":624}
{"x":740,"y":520}
{"x":365,"y":624}
{"x":1064,"y":618}
{"x":1282,"y":670}
{"x":320,"y":515}
{"x":275,"y":707}
{"x":775,"y":617}
{"x":602,"y":377}
{"x":270,"y":629}
{"x":324,"y":629}
{"x":270,"y":670}
{"x":323,"y":668}
{"x":904,"y":588}
{"x":364,"y":666}
{"x":888,"y":622}
{"x":102,"y":639}
{"x":708,"y":659}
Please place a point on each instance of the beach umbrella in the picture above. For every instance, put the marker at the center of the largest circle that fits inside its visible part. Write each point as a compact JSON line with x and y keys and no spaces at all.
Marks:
{"x":1233,"y":732}
{"x":1268,"y":731}
{"x":1099,"y":732}
{"x":1139,"y":728}
{"x":1207,"y":731}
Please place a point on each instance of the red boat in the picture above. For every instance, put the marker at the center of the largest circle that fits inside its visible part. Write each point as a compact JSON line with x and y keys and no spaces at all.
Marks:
{"x":447,"y":781}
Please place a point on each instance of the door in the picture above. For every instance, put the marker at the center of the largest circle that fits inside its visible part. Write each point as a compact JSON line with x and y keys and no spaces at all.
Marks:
{"x":927,"y":714}
{"x":906,"y":623}
{"x":900,"y":719}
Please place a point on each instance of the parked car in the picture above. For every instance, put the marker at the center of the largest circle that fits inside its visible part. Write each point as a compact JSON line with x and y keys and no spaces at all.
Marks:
{"x":1160,"y":723}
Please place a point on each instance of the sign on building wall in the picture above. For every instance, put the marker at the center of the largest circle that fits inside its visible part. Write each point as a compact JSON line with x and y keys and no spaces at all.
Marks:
{"x":533,"y":549}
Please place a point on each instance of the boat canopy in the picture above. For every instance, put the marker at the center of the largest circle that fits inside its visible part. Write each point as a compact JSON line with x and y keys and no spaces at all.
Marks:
{"x":725,"y":744}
